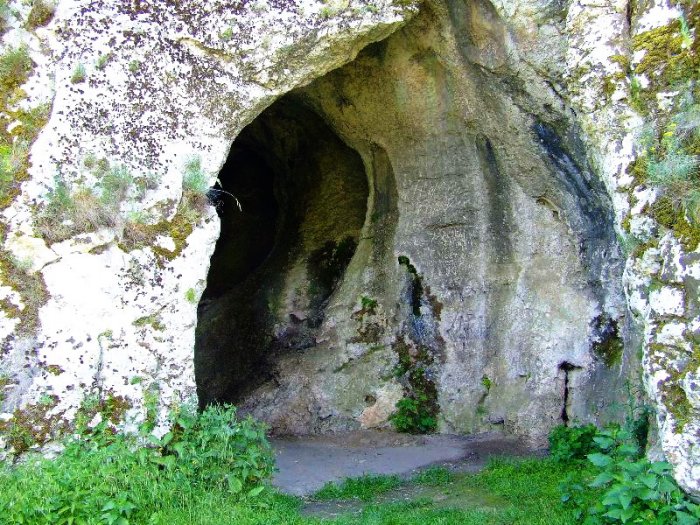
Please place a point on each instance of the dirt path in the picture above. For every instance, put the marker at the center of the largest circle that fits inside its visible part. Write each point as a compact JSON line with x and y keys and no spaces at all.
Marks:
{"x":307,"y":463}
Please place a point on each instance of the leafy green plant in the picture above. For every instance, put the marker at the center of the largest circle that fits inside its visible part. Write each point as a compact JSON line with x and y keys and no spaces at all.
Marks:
{"x":633,"y":489}
{"x":191,"y":296}
{"x":418,"y":410}
{"x":107,"y":478}
{"x":368,"y":304}
{"x":413,"y":415}
{"x":216,"y":450}
{"x":572,"y":443}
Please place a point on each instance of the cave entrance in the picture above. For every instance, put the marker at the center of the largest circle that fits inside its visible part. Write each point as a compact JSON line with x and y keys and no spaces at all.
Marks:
{"x":303,"y":200}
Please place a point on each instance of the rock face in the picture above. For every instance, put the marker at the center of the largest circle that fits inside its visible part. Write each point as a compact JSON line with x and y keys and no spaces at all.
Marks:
{"x":417,"y":204}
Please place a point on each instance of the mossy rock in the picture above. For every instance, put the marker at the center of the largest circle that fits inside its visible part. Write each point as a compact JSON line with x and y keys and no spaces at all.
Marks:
{"x":672,"y":216}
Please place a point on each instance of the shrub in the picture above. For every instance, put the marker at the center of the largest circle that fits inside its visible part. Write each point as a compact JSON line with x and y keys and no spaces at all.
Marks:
{"x":572,"y":443}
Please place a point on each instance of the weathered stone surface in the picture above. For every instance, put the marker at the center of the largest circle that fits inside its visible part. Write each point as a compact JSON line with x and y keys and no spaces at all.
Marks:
{"x":161,"y":86}
{"x":479,"y":167}
{"x":491,"y":209}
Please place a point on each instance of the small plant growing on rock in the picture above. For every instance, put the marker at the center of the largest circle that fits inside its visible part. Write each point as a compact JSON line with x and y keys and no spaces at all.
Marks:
{"x":136,"y":231}
{"x":417,"y":412}
{"x":195,"y":188}
{"x":412,"y":416}
{"x":115,"y":185}
{"x":12,"y":161}
{"x":226,"y":35}
{"x":134,"y":66}
{"x":4,"y":383}
{"x":368,"y":304}
{"x":191,"y":296}
{"x":195,"y":180}
{"x":78,"y":75}
{"x":71,"y":211}
{"x":102,"y":61}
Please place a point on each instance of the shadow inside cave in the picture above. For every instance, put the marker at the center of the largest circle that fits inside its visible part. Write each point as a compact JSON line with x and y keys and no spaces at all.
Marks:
{"x":303,"y":196}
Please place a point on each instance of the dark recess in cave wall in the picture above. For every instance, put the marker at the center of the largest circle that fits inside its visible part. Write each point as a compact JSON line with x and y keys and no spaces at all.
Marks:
{"x":590,"y":210}
{"x":277,"y":263}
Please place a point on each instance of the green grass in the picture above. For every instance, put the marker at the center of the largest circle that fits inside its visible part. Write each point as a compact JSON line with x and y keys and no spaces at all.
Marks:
{"x":117,"y":478}
{"x":365,"y":488}
{"x":508,"y":491}
{"x":434,"y":476}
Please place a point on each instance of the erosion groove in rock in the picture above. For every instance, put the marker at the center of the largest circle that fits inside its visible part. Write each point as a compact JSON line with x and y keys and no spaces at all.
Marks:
{"x":442,"y":206}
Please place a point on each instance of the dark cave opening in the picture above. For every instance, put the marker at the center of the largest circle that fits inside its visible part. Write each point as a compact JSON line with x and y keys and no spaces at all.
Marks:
{"x":303,"y":199}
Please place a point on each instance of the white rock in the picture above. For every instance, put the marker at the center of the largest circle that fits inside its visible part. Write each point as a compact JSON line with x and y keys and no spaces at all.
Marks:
{"x":667,"y":301}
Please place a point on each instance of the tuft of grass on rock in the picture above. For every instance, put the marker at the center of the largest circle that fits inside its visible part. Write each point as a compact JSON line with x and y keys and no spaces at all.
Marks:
{"x":78,"y":75}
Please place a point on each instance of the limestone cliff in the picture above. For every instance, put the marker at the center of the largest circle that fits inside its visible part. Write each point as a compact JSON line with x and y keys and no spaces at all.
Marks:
{"x":442,"y":203}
